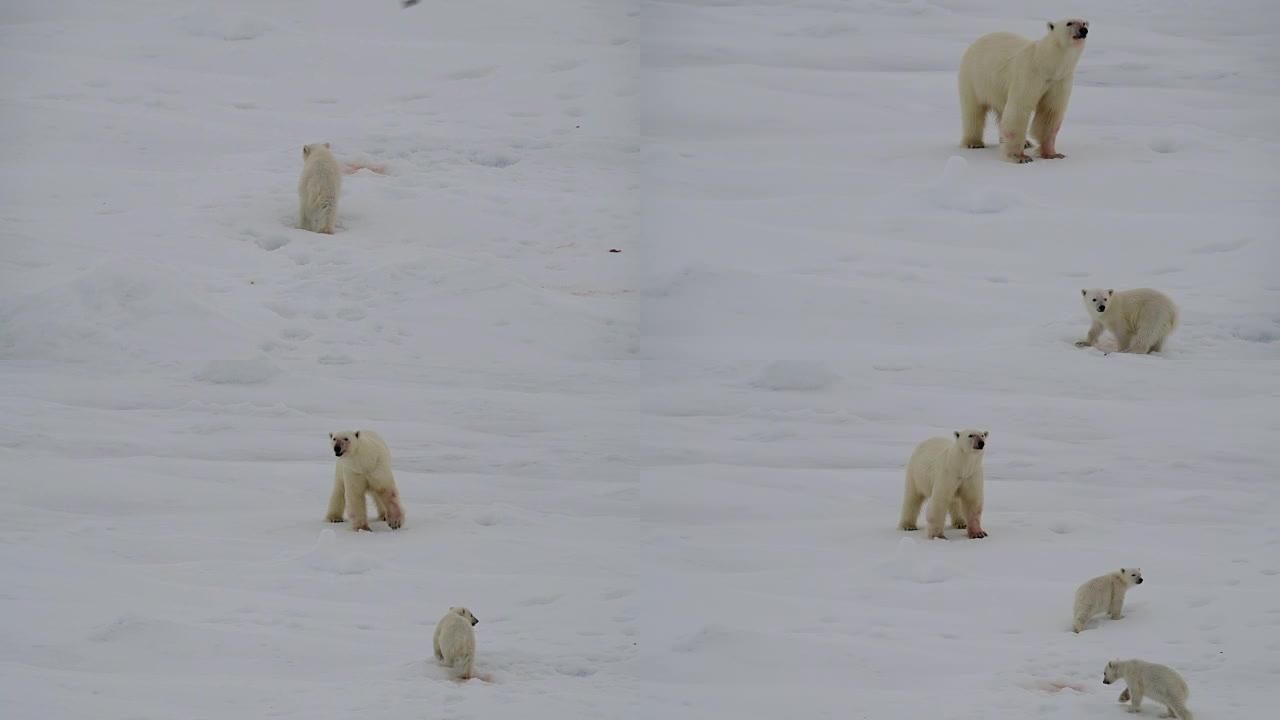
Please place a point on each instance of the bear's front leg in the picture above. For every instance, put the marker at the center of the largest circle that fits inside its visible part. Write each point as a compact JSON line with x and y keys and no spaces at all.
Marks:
{"x":1095,"y":332}
{"x":936,"y":515}
{"x":1116,"y":606}
{"x":337,"y":500}
{"x":356,"y":509}
{"x":1013,"y":133}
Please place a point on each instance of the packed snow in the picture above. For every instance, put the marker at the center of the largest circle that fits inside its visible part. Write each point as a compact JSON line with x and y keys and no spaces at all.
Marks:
{"x":666,"y":479}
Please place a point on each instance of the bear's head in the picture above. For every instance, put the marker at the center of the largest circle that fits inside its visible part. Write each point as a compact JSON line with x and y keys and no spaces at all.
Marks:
{"x":971,"y":440}
{"x":344,"y":443}
{"x":1131,"y":576}
{"x":307,"y":149}
{"x":465,"y":613}
{"x":1068,"y":32}
{"x":1112,"y":673}
{"x":1097,"y":300}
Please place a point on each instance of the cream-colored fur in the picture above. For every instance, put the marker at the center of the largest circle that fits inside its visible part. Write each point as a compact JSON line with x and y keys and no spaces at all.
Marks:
{"x":1161,"y":682}
{"x":947,"y":471}
{"x":1104,"y":594}
{"x":1013,"y":77}
{"x":455,"y":641}
{"x":1139,"y":319}
{"x":364,"y":466}
{"x":318,"y":189}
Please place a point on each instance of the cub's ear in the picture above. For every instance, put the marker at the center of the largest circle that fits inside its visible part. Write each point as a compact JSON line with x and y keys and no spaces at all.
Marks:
{"x":1083,"y":292}
{"x":985,"y":433}
{"x":1121,"y":569}
{"x":330,"y":436}
{"x":326,"y":144}
{"x":357,"y":433}
{"x":1110,"y":293}
{"x":957,"y":434}
{"x":1050,"y":26}
{"x":306,"y":150}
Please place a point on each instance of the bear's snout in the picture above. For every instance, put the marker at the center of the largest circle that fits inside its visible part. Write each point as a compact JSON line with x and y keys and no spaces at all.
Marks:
{"x":1139,"y":581}
{"x":1102,"y":308}
{"x":1082,"y":32}
{"x":1106,"y":681}
{"x":337,"y":450}
{"x":979,"y":443}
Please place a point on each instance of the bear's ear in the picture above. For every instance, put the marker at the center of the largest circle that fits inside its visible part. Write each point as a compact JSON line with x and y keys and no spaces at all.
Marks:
{"x":957,"y":434}
{"x":1121,"y":569}
{"x":357,"y":433}
{"x":985,"y":433}
{"x":330,"y":436}
{"x":1050,"y":24}
{"x":306,"y":150}
{"x":1110,"y":293}
{"x":326,"y":144}
{"x":1083,"y":292}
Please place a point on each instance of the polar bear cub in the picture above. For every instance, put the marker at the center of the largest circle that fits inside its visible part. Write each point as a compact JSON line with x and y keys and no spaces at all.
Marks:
{"x":1139,"y":319}
{"x":1013,"y":77}
{"x":364,"y":466}
{"x":318,"y":189}
{"x":1104,"y":594}
{"x":455,"y":641}
{"x":1161,"y":682}
{"x":947,"y":471}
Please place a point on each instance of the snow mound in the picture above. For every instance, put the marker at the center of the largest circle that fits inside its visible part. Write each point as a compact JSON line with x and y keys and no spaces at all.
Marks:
{"x":913,"y":561}
{"x":954,"y":190}
{"x":795,"y":375}
{"x":327,"y":556}
{"x":238,"y":371}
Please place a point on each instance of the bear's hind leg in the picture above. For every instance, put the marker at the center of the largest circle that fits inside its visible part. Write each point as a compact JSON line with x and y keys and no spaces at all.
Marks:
{"x":911,"y":503}
{"x":973,"y":116}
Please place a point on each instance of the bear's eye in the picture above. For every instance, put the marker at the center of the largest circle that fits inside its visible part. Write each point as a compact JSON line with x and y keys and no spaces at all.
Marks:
{"x":1070,"y":24}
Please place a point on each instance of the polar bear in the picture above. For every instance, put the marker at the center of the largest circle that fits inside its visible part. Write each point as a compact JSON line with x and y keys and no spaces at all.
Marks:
{"x":318,"y":189}
{"x":1140,"y":319}
{"x":1014,"y":76}
{"x":948,"y":471}
{"x":1104,"y":594}
{"x":1161,"y":682}
{"x":455,"y":641}
{"x":364,"y":466}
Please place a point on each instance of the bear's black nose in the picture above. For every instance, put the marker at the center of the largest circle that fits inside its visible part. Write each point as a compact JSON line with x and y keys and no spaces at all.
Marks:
{"x":1139,"y":581}
{"x":1083,"y":31}
{"x":1106,"y":681}
{"x":980,"y":444}
{"x":1102,"y":308}
{"x":337,"y":451}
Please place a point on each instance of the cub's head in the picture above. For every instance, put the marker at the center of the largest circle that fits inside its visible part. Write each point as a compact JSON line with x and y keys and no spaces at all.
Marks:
{"x":971,"y":440}
{"x":465,"y":613}
{"x":1112,"y":673}
{"x":1068,"y":32}
{"x":1097,"y":300}
{"x":308,"y":149}
{"x":1131,"y":576}
{"x":344,"y":442}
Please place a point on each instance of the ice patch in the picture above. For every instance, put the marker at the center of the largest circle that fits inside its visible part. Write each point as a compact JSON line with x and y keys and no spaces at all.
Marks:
{"x":785,"y":375}
{"x":953,"y":190}
{"x":237,"y":371}
{"x":327,"y":556}
{"x":228,"y":28}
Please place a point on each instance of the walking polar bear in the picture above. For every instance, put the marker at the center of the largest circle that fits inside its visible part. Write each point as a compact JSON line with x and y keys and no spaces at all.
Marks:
{"x":318,"y":189}
{"x":1014,"y":76}
{"x":364,"y":466}
{"x":1103,"y":594}
{"x":455,"y":642}
{"x":947,"y":471}
{"x":1140,"y":319}
{"x":1161,"y":682}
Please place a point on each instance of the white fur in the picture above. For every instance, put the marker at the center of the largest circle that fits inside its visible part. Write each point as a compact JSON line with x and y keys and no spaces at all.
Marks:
{"x":1013,"y":77}
{"x":364,"y":466}
{"x":1161,"y":682}
{"x":1103,"y":594}
{"x":947,"y":471}
{"x":455,"y":641}
{"x":1139,"y":319}
{"x":318,"y":189}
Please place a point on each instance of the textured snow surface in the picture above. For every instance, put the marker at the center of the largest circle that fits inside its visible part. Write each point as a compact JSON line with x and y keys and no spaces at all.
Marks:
{"x":665,"y":480}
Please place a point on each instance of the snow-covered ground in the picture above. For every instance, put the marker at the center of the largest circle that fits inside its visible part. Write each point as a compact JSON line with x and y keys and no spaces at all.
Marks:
{"x":666,"y":479}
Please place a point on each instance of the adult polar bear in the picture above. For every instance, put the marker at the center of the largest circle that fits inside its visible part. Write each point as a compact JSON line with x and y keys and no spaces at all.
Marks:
{"x":1014,"y":76}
